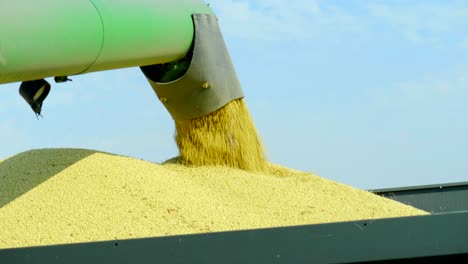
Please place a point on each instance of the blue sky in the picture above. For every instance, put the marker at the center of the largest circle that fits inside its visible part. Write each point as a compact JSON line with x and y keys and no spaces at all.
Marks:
{"x":368,"y":93}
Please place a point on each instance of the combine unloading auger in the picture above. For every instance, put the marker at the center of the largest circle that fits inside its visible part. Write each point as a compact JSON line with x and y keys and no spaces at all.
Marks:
{"x":179,"y":47}
{"x":177,"y":44}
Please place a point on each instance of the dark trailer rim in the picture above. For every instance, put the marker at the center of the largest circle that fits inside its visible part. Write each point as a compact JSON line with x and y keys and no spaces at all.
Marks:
{"x":438,"y":238}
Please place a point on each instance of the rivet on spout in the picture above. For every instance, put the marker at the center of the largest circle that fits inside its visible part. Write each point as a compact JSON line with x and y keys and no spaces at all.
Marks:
{"x":206,"y":85}
{"x":163,"y":99}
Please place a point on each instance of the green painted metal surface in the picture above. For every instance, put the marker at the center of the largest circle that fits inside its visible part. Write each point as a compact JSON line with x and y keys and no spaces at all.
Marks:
{"x":47,"y":38}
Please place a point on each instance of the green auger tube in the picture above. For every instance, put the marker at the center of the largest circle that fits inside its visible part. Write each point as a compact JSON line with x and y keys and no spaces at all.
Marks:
{"x":40,"y":39}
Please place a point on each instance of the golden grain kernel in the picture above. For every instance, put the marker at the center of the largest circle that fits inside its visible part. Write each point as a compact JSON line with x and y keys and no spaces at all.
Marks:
{"x":57,"y":196}
{"x":226,"y":137}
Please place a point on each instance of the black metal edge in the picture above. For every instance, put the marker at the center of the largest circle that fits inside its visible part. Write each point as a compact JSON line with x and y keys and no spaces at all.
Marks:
{"x":458,"y":258}
{"x":435,"y":235}
{"x":439,"y":198}
{"x":420,"y":187}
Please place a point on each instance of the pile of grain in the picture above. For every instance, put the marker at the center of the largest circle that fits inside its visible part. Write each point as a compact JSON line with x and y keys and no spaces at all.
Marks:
{"x":226,"y":137}
{"x":56,"y":196}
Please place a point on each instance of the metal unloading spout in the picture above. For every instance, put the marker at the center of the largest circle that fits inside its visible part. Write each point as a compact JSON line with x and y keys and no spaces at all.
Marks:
{"x":201,"y":82}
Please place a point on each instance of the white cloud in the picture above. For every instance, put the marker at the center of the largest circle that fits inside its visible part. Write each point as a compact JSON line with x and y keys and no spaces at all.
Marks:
{"x":463,"y":43}
{"x":281,"y":20}
{"x":447,"y":88}
{"x":307,"y":19}
{"x":423,"y":21}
